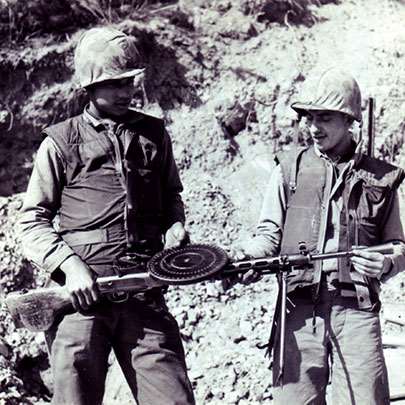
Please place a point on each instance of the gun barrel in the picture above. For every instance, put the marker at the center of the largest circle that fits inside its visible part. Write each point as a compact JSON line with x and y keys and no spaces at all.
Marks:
{"x":271,"y":265}
{"x":266,"y":265}
{"x":385,"y":249}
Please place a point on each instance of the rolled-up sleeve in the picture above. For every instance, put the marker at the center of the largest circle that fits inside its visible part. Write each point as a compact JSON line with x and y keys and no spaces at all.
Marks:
{"x":269,"y":231}
{"x":393,"y":231}
{"x":40,"y":241}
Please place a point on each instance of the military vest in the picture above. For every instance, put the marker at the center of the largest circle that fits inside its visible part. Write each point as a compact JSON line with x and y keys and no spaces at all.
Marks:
{"x":368,"y":193}
{"x":105,"y":199}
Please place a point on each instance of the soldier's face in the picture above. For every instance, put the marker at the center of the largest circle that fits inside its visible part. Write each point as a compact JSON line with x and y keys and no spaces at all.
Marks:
{"x":329,"y":131}
{"x":113,"y":97}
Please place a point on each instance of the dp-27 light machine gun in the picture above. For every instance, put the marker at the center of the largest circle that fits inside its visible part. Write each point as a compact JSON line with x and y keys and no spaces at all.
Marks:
{"x":38,"y":309}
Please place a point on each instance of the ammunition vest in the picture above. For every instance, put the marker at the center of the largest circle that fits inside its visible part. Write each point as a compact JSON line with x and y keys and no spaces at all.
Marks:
{"x":368,"y":193}
{"x":105,"y":199}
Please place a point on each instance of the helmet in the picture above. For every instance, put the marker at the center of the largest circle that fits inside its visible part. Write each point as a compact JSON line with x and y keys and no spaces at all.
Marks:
{"x":336,"y":91}
{"x":105,"y":54}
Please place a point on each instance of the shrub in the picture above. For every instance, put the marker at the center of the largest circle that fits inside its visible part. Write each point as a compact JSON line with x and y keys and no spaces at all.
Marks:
{"x":283,"y":11}
{"x":20,"y":19}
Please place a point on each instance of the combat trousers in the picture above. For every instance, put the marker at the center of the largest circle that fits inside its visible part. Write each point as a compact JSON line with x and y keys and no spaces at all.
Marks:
{"x":331,"y":340}
{"x":147,"y":345}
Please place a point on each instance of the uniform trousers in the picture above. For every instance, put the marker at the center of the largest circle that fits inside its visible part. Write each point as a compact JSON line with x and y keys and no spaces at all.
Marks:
{"x":146,"y":340}
{"x":331,"y":341}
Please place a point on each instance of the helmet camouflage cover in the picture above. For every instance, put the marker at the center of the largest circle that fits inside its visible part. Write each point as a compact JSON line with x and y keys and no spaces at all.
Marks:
{"x":106,"y":53}
{"x":338,"y":91}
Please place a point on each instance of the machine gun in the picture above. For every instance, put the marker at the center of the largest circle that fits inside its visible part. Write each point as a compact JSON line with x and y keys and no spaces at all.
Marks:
{"x":38,"y":309}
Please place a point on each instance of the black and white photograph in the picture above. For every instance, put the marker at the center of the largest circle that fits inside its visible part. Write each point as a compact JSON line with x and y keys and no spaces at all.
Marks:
{"x":202,"y":202}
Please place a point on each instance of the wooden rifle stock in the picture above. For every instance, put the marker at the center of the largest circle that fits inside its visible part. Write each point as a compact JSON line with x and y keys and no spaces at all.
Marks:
{"x":38,"y":309}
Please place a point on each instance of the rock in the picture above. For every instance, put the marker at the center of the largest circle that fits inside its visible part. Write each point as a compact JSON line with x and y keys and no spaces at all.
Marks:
{"x":236,"y":25}
{"x":231,"y":397}
{"x":4,"y":117}
{"x":238,"y":339}
{"x":193,"y":316}
{"x":245,"y":327}
{"x":214,"y":289}
{"x":4,"y":349}
{"x":232,"y":114}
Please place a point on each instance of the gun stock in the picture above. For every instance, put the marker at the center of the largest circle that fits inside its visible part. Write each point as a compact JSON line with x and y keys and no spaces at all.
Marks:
{"x":38,"y":309}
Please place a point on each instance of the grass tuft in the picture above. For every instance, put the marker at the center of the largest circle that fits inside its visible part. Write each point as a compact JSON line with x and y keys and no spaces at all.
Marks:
{"x":283,"y":11}
{"x":22,"y":19}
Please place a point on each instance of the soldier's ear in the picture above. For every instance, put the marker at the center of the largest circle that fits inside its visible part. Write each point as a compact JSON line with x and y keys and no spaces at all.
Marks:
{"x":349,"y":120}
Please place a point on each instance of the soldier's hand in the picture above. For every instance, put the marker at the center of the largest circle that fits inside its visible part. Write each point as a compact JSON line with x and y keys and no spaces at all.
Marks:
{"x":252,"y":276}
{"x":238,"y":254}
{"x":80,"y":283}
{"x":175,"y":235}
{"x":370,"y":264}
{"x":234,"y":254}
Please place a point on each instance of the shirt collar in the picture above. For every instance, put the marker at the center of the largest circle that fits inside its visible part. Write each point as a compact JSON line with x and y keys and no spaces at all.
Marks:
{"x":353,"y":155}
{"x":100,"y":123}
{"x":91,"y":119}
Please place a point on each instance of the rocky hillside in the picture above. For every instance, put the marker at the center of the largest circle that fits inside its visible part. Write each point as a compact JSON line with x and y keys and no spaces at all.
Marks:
{"x":222,"y":74}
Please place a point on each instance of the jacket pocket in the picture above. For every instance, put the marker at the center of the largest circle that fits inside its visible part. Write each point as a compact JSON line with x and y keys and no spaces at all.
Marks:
{"x":372,"y":204}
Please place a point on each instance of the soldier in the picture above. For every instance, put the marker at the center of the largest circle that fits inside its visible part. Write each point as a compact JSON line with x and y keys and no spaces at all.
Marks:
{"x":110,"y":175}
{"x":333,"y":197}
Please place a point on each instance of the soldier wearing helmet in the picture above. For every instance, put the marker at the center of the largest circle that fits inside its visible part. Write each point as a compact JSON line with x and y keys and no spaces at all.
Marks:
{"x":333,"y":197}
{"x":110,"y":176}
